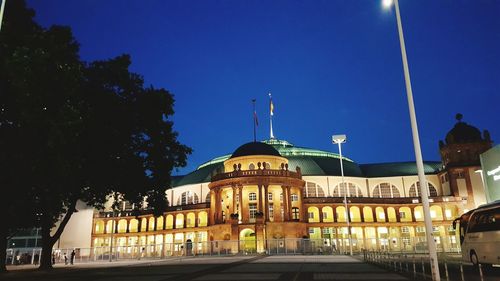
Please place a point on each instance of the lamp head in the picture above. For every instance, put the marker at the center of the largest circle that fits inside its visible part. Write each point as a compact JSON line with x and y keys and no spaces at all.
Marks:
{"x":387,"y":3}
{"x":339,"y":139}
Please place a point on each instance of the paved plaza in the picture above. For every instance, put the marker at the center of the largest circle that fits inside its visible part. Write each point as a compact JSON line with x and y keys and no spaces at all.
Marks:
{"x":213,"y":268}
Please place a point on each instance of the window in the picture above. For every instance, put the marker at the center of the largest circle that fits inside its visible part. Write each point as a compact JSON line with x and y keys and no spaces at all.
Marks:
{"x":266,"y":165}
{"x":487,"y":220}
{"x":270,"y":196}
{"x":386,"y":190}
{"x":313,"y":190}
{"x":405,"y":229}
{"x":271,"y":211}
{"x":325,"y":215}
{"x":402,"y":215}
{"x":281,"y":197}
{"x":188,"y":198}
{"x":352,"y":190}
{"x":420,"y":229}
{"x":326,"y":230}
{"x":251,"y":166}
{"x":311,"y":230}
{"x":311,"y":215}
{"x":416,"y":192}
{"x":252,"y":196}
{"x":295,"y":213}
{"x":252,"y":207}
{"x":295,"y":197}
{"x":207,"y":199}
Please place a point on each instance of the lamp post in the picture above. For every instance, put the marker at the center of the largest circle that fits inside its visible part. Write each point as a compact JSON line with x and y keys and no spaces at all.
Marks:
{"x":416,"y":144}
{"x":2,"y":9}
{"x":111,"y":236}
{"x":340,"y":139}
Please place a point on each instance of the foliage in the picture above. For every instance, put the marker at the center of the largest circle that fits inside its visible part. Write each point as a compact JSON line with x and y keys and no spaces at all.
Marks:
{"x":77,"y":131}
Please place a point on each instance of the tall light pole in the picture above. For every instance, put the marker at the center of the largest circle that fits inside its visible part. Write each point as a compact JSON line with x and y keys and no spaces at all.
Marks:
{"x":2,"y":9}
{"x":418,"y":153}
{"x":111,"y":238}
{"x":340,"y":139}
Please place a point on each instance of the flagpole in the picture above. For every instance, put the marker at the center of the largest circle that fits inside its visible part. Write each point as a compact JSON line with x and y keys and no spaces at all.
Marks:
{"x":271,"y":116}
{"x":254,"y":122}
{"x":2,"y":9}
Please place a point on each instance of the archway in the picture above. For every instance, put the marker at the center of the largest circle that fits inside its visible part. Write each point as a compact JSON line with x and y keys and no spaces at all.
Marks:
{"x":247,"y":240}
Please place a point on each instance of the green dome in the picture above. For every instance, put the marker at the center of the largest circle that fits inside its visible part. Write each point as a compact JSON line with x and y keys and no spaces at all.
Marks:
{"x":312,"y":162}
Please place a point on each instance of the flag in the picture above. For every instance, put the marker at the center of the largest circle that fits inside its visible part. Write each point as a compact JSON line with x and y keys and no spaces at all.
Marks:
{"x":271,"y":105}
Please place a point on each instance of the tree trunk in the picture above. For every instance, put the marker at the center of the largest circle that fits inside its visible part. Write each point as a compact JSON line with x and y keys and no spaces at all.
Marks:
{"x":49,"y":241}
{"x":3,"y":247}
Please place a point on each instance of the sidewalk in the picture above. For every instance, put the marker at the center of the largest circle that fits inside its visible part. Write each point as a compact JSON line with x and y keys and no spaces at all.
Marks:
{"x":241,"y":268}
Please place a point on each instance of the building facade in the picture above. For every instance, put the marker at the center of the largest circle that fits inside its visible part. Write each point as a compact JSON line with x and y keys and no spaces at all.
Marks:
{"x":275,"y":197}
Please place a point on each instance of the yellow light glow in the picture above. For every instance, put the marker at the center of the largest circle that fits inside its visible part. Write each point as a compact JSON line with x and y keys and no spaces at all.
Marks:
{"x":417,"y":215}
{"x":387,"y":3}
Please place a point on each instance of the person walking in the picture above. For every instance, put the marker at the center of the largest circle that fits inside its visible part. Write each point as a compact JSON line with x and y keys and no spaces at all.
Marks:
{"x":72,"y":256}
{"x":65,"y":259}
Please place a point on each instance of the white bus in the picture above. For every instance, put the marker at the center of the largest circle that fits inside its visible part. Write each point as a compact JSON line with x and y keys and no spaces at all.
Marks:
{"x":480,"y":234}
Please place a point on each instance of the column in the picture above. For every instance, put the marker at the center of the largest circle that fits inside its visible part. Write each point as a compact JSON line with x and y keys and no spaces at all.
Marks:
{"x":320,"y":214}
{"x":147,"y":224}
{"x":385,"y":214}
{"x":128,"y":227}
{"x":412,"y":211}
{"x":240,"y":198}
{"x":139,"y":224}
{"x":260,"y":198}
{"x":217,"y":205}
{"x":335,"y":219}
{"x":398,"y":215}
{"x":362,"y":214}
{"x":234,"y":210}
{"x":289,"y":201}
{"x":164,"y":223}
{"x":196,"y":217}
{"x":266,"y":200}
{"x":285,"y":205}
{"x":374,"y":214}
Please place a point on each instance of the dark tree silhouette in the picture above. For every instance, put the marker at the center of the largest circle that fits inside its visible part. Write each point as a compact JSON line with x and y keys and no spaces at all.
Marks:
{"x":76,"y":131}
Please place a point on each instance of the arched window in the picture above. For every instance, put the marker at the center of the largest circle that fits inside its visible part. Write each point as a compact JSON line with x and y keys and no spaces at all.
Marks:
{"x":313,"y":190}
{"x":188,"y":198}
{"x":267,"y":165}
{"x":386,"y":190}
{"x":207,"y":199}
{"x":352,"y":190}
{"x":251,"y":166}
{"x":416,"y":192}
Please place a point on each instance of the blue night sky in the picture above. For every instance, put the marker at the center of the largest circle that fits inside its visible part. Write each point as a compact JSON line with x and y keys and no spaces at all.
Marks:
{"x":333,"y":67}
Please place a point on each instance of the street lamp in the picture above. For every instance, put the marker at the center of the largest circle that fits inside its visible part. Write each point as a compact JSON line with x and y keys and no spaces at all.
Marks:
{"x":2,"y":9}
{"x":340,"y":139}
{"x":111,"y":238}
{"x":416,"y":144}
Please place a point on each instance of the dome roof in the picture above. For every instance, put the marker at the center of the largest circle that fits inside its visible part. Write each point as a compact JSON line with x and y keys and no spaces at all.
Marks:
{"x":463,"y":133}
{"x":312,"y":162}
{"x":255,"y":148}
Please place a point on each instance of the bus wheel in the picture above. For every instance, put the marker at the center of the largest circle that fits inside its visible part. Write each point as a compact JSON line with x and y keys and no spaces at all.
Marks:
{"x":473,"y":258}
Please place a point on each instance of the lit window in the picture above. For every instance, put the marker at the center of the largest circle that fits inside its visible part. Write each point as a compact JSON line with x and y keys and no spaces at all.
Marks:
{"x":447,"y":213}
{"x":295,"y":197}
{"x":386,"y":190}
{"x":415,"y":192}
{"x":433,"y":214}
{"x":270,"y":196}
{"x":311,"y":215}
{"x":251,"y":166}
{"x":295,"y":213}
{"x":420,"y":229}
{"x":271,"y":211}
{"x":405,"y":229}
{"x":252,"y":196}
{"x":402,"y":215}
{"x":325,"y":215}
{"x":418,"y":215}
{"x":252,"y":210}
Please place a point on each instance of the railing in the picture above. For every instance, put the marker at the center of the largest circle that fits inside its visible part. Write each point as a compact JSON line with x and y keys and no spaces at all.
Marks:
{"x":254,"y":173}
{"x":418,"y":266}
{"x":133,"y":213}
{"x":285,"y":246}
